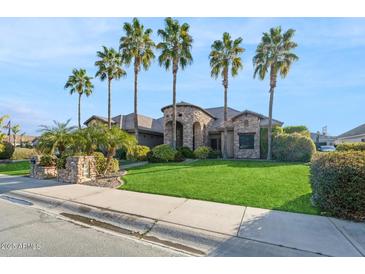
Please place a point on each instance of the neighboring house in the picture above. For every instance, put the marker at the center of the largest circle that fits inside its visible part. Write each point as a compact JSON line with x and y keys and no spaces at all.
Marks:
{"x":197,"y":126}
{"x":321,"y":139}
{"x":150,"y":129}
{"x":354,"y":135}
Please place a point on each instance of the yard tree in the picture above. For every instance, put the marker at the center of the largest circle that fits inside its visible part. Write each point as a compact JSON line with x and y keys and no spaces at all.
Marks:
{"x":175,"y":53}
{"x":2,"y":120}
{"x":136,"y":47}
{"x":15,"y":130}
{"x":225,"y":60}
{"x":115,"y":138}
{"x":274,"y":55}
{"x":79,"y":82}
{"x":109,"y":67}
{"x":56,"y":137}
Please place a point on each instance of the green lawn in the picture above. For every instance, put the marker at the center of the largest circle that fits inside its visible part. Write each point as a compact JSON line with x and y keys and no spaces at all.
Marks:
{"x":272,"y":185}
{"x":18,"y":168}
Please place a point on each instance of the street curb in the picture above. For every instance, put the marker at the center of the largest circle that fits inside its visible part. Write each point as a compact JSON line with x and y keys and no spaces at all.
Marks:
{"x":126,"y":224}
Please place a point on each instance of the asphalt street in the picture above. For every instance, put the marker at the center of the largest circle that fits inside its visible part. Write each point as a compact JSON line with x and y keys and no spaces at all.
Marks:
{"x":28,"y":231}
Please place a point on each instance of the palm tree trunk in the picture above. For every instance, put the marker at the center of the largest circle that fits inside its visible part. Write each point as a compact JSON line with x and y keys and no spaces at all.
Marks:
{"x":14,"y":140}
{"x":271,"y":103}
{"x":225,"y":143}
{"x":174,"y":109}
{"x":136,"y":102}
{"x":79,"y":111}
{"x":109,"y":103}
{"x":109,"y":158}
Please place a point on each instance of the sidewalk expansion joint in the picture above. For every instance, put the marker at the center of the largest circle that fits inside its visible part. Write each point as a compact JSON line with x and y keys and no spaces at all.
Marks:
{"x":348,"y":238}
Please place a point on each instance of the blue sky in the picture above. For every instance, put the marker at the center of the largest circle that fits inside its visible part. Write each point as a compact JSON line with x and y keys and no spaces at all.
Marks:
{"x":325,"y":87}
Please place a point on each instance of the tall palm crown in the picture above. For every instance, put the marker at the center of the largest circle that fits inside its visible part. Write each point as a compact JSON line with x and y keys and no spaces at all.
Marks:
{"x":137,"y":47}
{"x":176,"y":45}
{"x":175,"y":52}
{"x":225,"y":60}
{"x":79,"y":82}
{"x":109,"y":68}
{"x":274,"y":55}
{"x":274,"y":52}
{"x":109,"y":64}
{"x":225,"y":56}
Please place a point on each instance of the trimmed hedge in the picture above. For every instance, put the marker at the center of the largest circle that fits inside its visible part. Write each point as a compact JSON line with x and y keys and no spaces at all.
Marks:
{"x":6,"y":150}
{"x":21,"y":153}
{"x":292,"y":147}
{"x":186,"y":152}
{"x":139,"y":153}
{"x":338,"y":183}
{"x":202,"y":152}
{"x":360,"y":146}
{"x":162,"y":153}
{"x":303,"y":130}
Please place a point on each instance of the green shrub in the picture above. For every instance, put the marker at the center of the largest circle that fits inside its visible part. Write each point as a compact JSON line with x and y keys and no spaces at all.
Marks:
{"x":163,"y":153}
{"x":151,"y":158}
{"x":48,"y":160}
{"x":292,"y":147}
{"x":100,"y":162}
{"x":202,"y":152}
{"x":179,"y":157}
{"x":303,"y":130}
{"x":360,"y":146}
{"x":139,"y":153}
{"x":114,"y":166}
{"x":186,"y":152}
{"x":121,"y":154}
{"x":338,"y":183}
{"x":214,"y":154}
{"x":7,"y":150}
{"x":263,"y":139}
{"x":61,"y":162}
{"x":23,"y":153}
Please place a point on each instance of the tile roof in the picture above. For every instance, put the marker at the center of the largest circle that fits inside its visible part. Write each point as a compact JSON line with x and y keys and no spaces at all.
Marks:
{"x":353,"y":132}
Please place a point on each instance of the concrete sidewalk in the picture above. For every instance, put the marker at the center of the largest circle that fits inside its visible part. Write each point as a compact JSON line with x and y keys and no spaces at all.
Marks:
{"x":226,"y":228}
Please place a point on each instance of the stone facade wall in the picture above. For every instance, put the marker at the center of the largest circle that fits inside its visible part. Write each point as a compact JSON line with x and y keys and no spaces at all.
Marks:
{"x":41,"y":172}
{"x":246,"y":124}
{"x":79,"y":169}
{"x":188,"y":116}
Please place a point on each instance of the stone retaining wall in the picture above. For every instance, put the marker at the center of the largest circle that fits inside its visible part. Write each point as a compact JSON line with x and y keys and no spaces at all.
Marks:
{"x":79,"y":169}
{"x":41,"y":172}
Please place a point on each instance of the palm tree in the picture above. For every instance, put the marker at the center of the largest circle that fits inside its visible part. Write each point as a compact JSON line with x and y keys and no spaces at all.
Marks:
{"x":79,"y":82}
{"x":176,"y":52}
{"x":115,"y":138}
{"x":137,"y":47}
{"x":274,"y":54}
{"x":55,"y":137}
{"x":109,"y":67}
{"x":224,"y":60}
{"x":15,"y":130}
